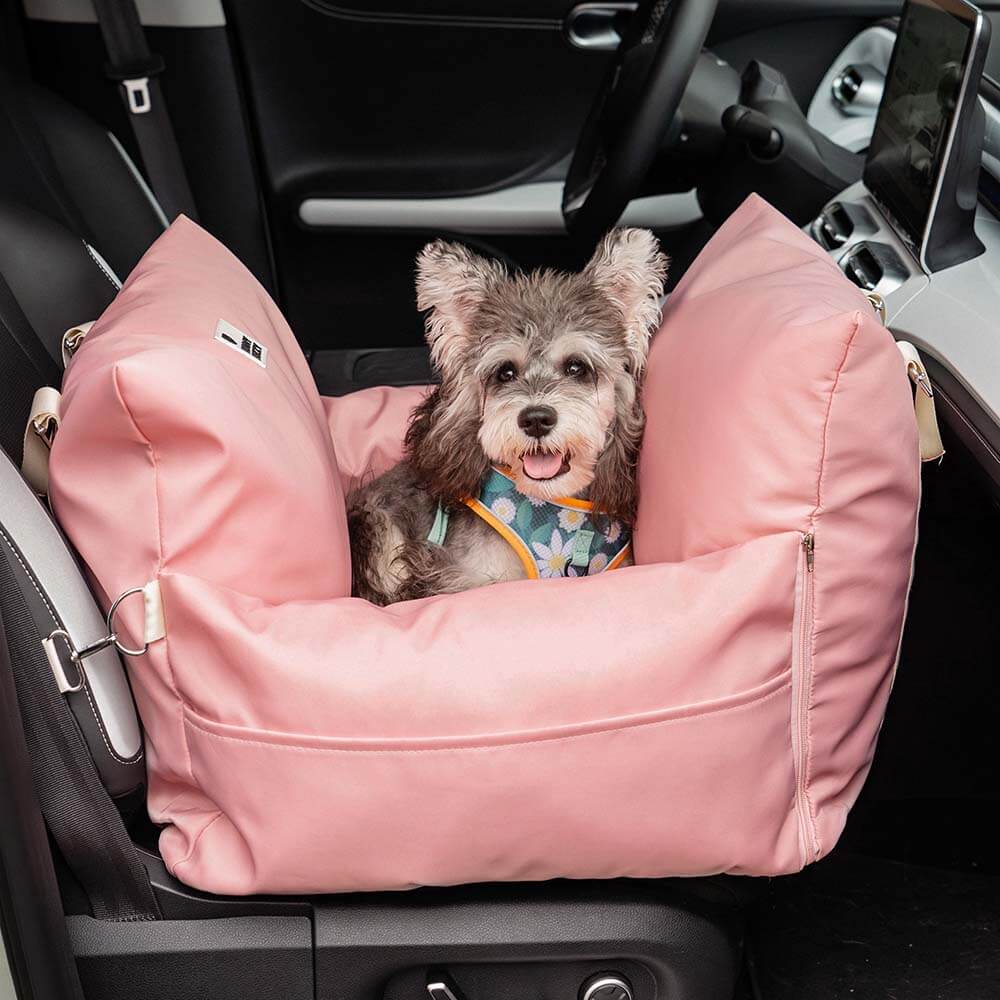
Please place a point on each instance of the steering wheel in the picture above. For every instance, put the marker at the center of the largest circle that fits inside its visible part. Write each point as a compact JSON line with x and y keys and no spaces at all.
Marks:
{"x":633,"y":109}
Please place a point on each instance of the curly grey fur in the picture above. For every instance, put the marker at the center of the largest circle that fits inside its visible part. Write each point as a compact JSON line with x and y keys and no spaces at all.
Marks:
{"x":574,"y":342}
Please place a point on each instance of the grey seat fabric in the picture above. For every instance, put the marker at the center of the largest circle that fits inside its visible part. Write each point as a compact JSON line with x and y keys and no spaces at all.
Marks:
{"x":73,"y":216}
{"x":57,"y":597}
{"x":57,"y":278}
{"x":50,"y":280}
{"x":62,"y":164}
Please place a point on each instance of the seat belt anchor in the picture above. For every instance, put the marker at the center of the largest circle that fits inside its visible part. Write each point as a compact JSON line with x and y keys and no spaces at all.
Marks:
{"x":137,"y":95}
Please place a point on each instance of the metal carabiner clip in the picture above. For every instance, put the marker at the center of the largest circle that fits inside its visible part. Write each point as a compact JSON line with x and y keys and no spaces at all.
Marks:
{"x":77,"y":656}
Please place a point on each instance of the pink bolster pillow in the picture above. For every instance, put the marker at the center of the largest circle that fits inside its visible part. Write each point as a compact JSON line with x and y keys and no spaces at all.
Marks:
{"x":714,"y":709}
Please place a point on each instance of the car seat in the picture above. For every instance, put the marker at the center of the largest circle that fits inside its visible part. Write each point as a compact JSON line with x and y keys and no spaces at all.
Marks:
{"x":74,"y":215}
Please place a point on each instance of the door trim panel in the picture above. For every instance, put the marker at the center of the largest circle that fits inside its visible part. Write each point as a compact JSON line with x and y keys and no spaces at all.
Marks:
{"x":152,"y":13}
{"x":418,"y":18}
{"x":525,"y":209}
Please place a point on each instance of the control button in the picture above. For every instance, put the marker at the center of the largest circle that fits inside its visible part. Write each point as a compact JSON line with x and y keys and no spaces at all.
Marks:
{"x":857,"y":90}
{"x":606,"y":986}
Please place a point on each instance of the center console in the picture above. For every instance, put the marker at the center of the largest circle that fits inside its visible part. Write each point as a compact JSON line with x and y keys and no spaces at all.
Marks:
{"x":850,"y":229}
{"x":856,"y":233}
{"x":922,"y":228}
{"x":915,"y":211}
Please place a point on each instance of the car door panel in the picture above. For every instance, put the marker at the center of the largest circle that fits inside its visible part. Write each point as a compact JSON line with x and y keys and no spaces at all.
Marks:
{"x":414,"y":100}
{"x":382,"y":124}
{"x":378,"y":125}
{"x":378,"y":107}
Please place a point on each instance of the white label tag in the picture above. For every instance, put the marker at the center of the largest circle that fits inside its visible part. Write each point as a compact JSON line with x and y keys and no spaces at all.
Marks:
{"x":226,"y":333}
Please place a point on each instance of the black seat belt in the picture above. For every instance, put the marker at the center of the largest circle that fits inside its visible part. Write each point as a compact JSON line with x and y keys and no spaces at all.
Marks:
{"x":137,"y":70}
{"x":79,"y":813}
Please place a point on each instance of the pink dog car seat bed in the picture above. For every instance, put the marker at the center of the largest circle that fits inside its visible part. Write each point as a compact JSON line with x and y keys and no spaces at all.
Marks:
{"x":712,"y":709}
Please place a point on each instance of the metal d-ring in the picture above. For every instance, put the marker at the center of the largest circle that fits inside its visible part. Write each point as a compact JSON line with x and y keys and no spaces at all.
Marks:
{"x":109,"y":639}
{"x":113,"y":635}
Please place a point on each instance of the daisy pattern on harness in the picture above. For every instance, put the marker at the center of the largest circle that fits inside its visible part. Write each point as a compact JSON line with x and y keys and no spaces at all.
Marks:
{"x":552,"y":558}
{"x":570,"y":519}
{"x":504,"y":508}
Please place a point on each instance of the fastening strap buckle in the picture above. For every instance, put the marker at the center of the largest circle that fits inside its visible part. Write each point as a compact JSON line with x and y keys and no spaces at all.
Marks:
{"x":152,"y":630}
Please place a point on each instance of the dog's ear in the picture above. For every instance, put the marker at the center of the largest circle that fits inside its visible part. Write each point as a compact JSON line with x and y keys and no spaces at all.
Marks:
{"x":613,"y":491}
{"x":629,"y":268}
{"x":442,"y":442}
{"x":452,"y":282}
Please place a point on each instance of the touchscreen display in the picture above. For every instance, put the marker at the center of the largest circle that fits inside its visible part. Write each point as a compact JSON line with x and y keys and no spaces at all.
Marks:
{"x":911,"y":137}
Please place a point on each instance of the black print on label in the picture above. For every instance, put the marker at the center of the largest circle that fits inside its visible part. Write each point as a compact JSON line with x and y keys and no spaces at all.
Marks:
{"x":236,"y":339}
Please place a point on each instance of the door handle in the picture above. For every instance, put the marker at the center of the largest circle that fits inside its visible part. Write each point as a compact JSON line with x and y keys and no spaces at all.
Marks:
{"x":597,"y":25}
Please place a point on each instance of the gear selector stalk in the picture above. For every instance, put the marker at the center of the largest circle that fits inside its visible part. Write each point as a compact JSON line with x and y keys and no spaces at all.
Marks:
{"x":755,"y":128}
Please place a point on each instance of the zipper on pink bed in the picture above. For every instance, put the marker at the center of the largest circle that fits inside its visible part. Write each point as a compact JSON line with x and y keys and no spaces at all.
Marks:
{"x":801,"y":682}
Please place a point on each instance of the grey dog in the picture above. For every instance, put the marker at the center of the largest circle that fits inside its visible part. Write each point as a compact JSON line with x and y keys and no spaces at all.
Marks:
{"x":540,"y":376}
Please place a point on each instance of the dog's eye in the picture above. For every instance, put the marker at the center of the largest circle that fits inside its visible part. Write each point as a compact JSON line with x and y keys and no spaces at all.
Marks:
{"x":507,"y":372}
{"x":576,"y":368}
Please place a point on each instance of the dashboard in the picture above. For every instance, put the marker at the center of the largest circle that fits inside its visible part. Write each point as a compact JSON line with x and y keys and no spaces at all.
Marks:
{"x":950,"y":313}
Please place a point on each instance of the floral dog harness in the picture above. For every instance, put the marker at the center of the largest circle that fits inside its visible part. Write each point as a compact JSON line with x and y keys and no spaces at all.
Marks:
{"x":552,"y":537}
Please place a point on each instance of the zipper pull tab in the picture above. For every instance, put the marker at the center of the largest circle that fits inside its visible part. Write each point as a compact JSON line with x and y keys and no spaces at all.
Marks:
{"x":809,"y":544}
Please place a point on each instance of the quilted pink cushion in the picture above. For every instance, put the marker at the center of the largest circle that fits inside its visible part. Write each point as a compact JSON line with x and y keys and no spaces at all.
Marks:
{"x":712,"y":710}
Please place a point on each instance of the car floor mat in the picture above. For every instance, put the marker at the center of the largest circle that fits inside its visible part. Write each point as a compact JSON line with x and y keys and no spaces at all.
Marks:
{"x":856,"y":928}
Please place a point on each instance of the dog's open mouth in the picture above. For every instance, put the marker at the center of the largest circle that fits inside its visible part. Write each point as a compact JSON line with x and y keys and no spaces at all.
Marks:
{"x":545,"y":464}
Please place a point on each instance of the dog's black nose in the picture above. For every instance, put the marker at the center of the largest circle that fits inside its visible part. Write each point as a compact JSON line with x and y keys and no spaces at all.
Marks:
{"x":537,"y":421}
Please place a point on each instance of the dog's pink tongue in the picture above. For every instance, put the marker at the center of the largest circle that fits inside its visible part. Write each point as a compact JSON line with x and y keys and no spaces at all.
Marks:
{"x":542,"y":464}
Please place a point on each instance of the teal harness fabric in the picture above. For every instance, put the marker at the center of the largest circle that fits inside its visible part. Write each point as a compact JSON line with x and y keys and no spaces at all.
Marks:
{"x":553,"y":538}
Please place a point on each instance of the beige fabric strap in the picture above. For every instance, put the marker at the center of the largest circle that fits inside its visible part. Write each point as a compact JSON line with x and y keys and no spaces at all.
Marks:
{"x":38,"y":437}
{"x":154,"y":622}
{"x":43,"y":423}
{"x":931,"y":447}
{"x":72,"y":339}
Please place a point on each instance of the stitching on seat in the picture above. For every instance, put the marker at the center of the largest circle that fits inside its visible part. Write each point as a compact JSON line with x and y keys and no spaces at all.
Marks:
{"x":140,"y":181}
{"x":376,"y":751}
{"x":103,"y":267}
{"x":817,"y":510}
{"x":814,"y":519}
{"x":158,"y":515}
{"x":86,"y":683}
{"x":31,"y":577}
{"x":100,"y":726}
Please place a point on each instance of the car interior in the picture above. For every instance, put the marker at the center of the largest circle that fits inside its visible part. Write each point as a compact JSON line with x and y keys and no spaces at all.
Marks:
{"x":325,"y":143}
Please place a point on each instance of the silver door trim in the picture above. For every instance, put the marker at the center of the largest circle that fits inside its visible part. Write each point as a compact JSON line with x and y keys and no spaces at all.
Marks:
{"x":525,"y":209}
{"x":152,"y":13}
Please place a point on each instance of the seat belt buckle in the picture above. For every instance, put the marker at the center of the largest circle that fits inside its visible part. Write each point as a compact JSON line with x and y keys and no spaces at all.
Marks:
{"x":137,"y":95}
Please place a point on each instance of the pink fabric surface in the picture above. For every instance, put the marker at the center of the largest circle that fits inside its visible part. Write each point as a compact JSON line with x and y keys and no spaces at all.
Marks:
{"x":367,"y":428}
{"x":722,"y":696}
{"x":775,"y":400}
{"x":203,"y":462}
